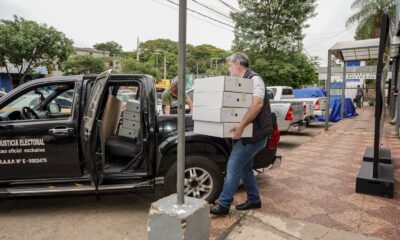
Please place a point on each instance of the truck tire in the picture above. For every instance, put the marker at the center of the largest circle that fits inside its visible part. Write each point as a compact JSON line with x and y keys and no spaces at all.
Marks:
{"x":203,"y":178}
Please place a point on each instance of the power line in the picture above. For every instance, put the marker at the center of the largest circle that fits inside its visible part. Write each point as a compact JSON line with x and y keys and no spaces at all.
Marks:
{"x":203,"y":15}
{"x":209,"y":8}
{"x":200,"y":19}
{"x":229,"y":6}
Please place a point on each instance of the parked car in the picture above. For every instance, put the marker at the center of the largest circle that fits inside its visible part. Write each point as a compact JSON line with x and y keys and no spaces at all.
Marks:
{"x":285,"y":93}
{"x":48,"y":152}
{"x":289,"y":114}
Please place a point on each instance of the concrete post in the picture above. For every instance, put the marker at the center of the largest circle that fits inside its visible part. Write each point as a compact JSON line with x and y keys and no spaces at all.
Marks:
{"x":181,"y":102}
{"x":397,"y":110}
{"x":328,"y":90}
{"x":343,"y":91}
{"x":170,"y":221}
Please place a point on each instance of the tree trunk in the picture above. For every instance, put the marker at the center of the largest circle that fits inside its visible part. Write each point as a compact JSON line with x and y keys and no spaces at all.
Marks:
{"x":377,"y":30}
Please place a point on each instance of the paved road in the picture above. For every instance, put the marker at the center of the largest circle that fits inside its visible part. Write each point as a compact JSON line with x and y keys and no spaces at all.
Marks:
{"x":114,"y":217}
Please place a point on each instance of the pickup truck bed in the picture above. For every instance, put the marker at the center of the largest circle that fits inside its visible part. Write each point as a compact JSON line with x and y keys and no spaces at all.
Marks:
{"x":288,"y":113}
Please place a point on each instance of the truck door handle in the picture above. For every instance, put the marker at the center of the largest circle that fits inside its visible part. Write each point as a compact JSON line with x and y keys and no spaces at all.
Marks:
{"x":61,"y":131}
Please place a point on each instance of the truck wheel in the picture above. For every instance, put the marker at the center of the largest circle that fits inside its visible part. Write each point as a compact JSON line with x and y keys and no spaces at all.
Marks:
{"x":203,"y":179}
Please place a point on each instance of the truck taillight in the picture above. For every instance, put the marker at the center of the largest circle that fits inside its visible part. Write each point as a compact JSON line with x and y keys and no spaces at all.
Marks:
{"x":289,"y":115}
{"x":274,"y":140}
{"x":317,"y":105}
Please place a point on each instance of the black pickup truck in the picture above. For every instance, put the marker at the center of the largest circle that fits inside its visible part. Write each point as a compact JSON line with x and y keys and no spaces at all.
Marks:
{"x":61,"y":136}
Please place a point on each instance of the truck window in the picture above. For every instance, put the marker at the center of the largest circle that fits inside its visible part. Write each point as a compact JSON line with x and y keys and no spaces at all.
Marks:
{"x":287,"y":91}
{"x":273,"y":91}
{"x":125,"y":93}
{"x":45,"y":100}
{"x":270,"y":94}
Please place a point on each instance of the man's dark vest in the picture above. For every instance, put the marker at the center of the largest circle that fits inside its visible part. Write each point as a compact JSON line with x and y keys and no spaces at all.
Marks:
{"x":262,"y":124}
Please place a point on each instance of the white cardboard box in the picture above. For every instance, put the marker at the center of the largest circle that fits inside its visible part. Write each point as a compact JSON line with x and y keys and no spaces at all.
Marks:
{"x":133,"y":105}
{"x":133,"y":116}
{"x":222,"y":99}
{"x":126,"y":132}
{"x":221,"y":130}
{"x":224,"y":114}
{"x":223,"y":83}
{"x":135,"y":125}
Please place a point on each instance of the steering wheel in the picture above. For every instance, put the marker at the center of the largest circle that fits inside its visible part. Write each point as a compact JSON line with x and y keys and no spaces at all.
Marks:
{"x":29,"y":113}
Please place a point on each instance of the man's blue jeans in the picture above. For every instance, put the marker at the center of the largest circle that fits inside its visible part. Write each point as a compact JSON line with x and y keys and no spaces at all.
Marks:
{"x":240,"y":166}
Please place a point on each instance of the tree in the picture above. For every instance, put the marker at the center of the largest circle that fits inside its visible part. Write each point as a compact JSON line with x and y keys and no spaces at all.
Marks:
{"x":150,"y":47}
{"x":295,"y":69}
{"x":196,"y":56}
{"x":83,"y":65}
{"x":267,"y":27}
{"x":368,"y":16}
{"x":27,"y":44}
{"x":131,"y":65}
{"x":113,"y":47}
{"x":271,"y":33}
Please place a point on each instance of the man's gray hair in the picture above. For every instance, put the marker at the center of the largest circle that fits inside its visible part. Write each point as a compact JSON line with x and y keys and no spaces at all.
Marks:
{"x":240,"y":58}
{"x":174,"y":81}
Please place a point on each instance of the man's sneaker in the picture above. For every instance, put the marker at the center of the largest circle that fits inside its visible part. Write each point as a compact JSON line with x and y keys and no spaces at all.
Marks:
{"x":248,"y":205}
{"x":219,"y":210}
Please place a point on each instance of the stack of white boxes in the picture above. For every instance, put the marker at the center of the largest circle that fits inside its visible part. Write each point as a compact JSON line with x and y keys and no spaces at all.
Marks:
{"x":219,"y":103}
{"x":130,"y":120}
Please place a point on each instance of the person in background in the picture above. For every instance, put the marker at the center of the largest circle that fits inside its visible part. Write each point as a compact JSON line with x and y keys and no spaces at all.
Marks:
{"x":359,"y":96}
{"x":240,"y":163}
{"x":170,"y":98}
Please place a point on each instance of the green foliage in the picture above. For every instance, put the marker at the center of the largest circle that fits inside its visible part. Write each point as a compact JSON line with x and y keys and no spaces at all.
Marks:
{"x":83,"y":65}
{"x":131,"y":65}
{"x":270,"y":32}
{"x":113,"y":47}
{"x":198,"y":58}
{"x":265,"y":27}
{"x":295,"y":69}
{"x":27,"y":44}
{"x":368,"y":16}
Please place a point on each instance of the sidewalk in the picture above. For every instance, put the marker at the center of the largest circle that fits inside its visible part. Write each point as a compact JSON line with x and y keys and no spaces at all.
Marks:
{"x":256,"y":225}
{"x":316,"y":183}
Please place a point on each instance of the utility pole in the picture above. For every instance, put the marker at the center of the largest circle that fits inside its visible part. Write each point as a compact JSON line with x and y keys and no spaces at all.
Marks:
{"x":216,"y":63}
{"x":188,"y":217}
{"x":137,"y":49}
{"x":157,"y":61}
{"x":181,"y":103}
{"x":165,"y":66}
{"x":197,"y":70}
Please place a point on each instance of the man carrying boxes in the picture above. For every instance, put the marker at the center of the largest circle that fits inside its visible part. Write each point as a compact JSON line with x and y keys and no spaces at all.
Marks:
{"x":235,"y":107}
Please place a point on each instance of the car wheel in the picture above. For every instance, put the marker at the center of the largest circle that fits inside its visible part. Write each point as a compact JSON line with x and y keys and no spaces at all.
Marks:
{"x":203,"y":178}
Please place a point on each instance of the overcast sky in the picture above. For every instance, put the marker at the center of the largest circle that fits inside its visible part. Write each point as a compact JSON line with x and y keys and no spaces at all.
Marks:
{"x":92,"y":21}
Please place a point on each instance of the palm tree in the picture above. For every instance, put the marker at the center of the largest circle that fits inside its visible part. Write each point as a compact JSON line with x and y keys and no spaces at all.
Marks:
{"x":368,"y":16}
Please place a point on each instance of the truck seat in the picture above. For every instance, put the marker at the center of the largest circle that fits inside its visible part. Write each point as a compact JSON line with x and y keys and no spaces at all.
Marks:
{"x":120,"y":146}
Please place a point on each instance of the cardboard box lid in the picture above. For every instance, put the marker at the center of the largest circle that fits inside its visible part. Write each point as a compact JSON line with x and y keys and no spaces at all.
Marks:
{"x":111,"y":116}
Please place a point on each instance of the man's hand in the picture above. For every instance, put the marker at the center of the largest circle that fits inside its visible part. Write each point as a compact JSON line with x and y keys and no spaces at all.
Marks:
{"x":166,"y":110}
{"x":237,"y":131}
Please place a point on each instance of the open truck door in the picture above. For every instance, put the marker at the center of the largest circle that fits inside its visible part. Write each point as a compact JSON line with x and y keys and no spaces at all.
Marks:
{"x":91,"y":130}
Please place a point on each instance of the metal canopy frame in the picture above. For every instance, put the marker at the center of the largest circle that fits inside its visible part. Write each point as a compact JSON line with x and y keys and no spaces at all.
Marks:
{"x":360,"y":50}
